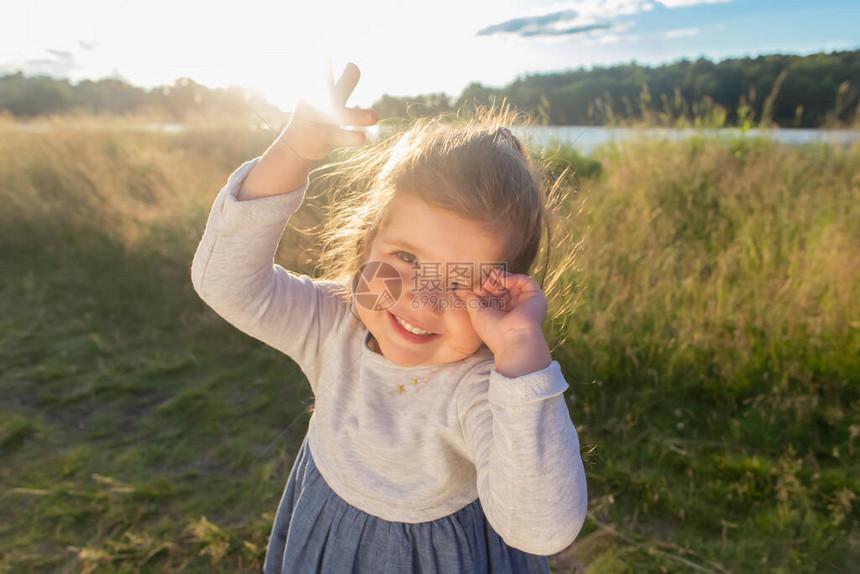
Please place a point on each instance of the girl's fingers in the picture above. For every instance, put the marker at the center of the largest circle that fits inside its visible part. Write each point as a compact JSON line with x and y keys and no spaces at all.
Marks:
{"x":344,"y":117}
{"x":341,"y":137}
{"x":345,"y":84}
{"x":356,"y":117}
{"x":315,"y":128}
{"x":495,"y":281}
{"x":332,"y":135}
{"x":335,"y":112}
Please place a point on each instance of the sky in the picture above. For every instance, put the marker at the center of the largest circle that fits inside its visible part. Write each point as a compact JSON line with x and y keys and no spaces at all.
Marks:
{"x":283,"y":48}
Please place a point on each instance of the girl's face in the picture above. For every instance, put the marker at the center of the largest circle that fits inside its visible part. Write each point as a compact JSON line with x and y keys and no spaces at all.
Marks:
{"x":430,"y":248}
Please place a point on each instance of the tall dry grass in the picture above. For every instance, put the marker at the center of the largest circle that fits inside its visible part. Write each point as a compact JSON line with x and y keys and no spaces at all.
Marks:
{"x":737,"y":260}
{"x":713,"y":357}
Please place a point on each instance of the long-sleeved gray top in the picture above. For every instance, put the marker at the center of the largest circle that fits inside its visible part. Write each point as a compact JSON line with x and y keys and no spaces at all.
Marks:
{"x":406,"y":444}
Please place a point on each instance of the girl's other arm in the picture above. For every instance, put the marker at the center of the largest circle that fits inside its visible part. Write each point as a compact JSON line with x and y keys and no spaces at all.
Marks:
{"x":531,"y":480}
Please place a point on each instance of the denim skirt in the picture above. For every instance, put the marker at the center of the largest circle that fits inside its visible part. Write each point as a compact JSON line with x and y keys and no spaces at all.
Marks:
{"x":317,"y":532}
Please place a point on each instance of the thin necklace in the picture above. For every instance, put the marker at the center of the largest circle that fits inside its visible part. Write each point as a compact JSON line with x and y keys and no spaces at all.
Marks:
{"x":401,"y":388}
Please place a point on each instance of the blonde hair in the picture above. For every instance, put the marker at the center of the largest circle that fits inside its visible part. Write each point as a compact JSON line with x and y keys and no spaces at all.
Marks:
{"x":473,"y":167}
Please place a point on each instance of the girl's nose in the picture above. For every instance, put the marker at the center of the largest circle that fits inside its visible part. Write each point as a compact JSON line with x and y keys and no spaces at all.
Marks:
{"x":429,"y":292}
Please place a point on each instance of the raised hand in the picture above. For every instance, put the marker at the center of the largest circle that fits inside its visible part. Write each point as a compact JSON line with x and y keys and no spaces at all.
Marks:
{"x":316,"y":127}
{"x":313,"y":130}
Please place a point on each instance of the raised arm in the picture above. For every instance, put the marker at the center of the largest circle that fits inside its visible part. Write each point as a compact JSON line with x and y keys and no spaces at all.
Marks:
{"x":233,"y":269}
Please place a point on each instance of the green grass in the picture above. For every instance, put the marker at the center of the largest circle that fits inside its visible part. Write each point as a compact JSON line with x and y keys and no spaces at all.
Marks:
{"x":713,"y":359}
{"x":715,"y":356}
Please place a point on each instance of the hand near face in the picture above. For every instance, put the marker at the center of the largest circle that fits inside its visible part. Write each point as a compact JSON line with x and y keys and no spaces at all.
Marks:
{"x":508,"y":311}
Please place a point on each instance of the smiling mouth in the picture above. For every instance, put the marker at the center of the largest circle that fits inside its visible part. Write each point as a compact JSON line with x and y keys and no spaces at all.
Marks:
{"x":411,"y":332}
{"x":414,"y":329}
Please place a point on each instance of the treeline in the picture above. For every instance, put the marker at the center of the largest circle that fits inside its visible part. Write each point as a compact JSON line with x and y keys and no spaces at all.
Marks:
{"x":185,"y":100}
{"x":820,"y":90}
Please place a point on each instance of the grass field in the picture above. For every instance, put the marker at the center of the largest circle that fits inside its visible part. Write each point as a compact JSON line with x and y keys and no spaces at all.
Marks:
{"x":713,"y":359}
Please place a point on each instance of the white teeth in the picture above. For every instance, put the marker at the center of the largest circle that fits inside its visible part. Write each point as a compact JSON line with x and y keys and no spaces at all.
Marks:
{"x":411,"y":328}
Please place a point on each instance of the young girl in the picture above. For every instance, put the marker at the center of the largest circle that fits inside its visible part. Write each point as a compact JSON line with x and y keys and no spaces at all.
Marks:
{"x":440,"y":439}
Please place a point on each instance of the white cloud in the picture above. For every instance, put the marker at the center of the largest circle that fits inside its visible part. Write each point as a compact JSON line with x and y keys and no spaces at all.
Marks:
{"x":682,"y":33}
{"x":578,"y":18}
{"x":685,"y":3}
{"x":623,"y":26}
{"x":608,"y":8}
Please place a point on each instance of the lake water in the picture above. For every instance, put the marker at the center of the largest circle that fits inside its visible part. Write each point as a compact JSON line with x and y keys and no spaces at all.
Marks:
{"x":586,"y":138}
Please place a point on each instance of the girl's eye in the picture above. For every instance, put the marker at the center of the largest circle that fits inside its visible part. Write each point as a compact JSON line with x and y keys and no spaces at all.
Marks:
{"x":405,"y":256}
